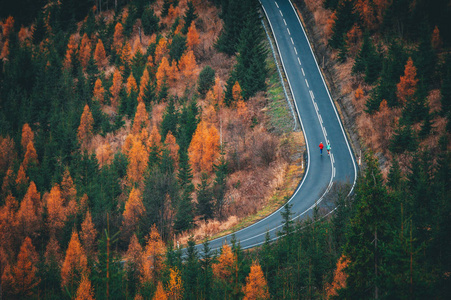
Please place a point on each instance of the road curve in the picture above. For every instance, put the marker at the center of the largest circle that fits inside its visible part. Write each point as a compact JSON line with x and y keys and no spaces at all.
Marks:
{"x":319,"y":120}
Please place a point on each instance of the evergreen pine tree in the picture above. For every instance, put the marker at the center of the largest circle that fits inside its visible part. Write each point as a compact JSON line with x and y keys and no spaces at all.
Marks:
{"x":205,"y":207}
{"x":219,"y":185}
{"x":190,"y":16}
{"x":150,"y":21}
{"x":170,"y":118}
{"x":190,"y":272}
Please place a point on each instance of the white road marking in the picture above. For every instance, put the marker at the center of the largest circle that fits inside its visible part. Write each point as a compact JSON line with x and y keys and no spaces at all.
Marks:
{"x":316,"y":106}
{"x":296,"y":51}
{"x":281,"y":13}
{"x":285,"y":22}
{"x":302,"y":69}
{"x":311,"y":95}
{"x":276,"y":4}
{"x":292,"y":40}
{"x":320,"y":119}
{"x":298,"y":59}
{"x":288,"y":31}
{"x":306,"y":82}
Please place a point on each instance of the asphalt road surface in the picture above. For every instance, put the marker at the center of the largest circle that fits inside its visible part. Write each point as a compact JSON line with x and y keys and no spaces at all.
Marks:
{"x":319,"y":120}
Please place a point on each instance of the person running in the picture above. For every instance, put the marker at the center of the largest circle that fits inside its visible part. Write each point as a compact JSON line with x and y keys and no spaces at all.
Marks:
{"x":321,"y":146}
{"x":328,"y":149}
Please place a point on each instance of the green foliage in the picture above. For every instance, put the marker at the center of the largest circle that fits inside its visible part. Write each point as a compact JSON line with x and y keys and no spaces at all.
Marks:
{"x":367,"y":61}
{"x":177,"y":47}
{"x":206,"y":80}
{"x":220,"y":184}
{"x":150,"y":21}
{"x":205,"y":203}
{"x":345,"y":19}
{"x":190,"y":16}
{"x":403,"y":140}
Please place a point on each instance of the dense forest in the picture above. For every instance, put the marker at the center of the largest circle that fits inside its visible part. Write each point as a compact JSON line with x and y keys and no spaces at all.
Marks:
{"x":128,"y":124}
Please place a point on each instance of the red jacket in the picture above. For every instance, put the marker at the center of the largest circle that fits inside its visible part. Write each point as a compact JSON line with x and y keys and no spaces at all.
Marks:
{"x":321,"y":146}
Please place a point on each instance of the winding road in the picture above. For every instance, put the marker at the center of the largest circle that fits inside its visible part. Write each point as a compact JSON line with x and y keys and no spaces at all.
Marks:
{"x":319,"y":120}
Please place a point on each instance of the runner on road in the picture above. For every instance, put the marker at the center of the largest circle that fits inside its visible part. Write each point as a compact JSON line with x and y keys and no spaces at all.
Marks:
{"x":328,"y":149}
{"x":321,"y":146}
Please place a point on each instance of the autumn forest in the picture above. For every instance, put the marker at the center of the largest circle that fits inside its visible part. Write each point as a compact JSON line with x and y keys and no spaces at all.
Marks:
{"x":131,"y":129}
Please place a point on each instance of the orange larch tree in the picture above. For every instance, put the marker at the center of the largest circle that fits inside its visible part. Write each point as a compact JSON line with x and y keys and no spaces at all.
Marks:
{"x":118,"y":38}
{"x":131,"y":84}
{"x":160,"y":294}
{"x":116,"y":88}
{"x":27,"y":136}
{"x":69,"y":193}
{"x":7,"y":153}
{"x":84,"y":291}
{"x":408,"y":83}
{"x":339,"y":278}
{"x":8,"y":222}
{"x":237,"y":92}
{"x":153,"y":257}
{"x":134,"y":209}
{"x":30,"y":156}
{"x":175,"y":285}
{"x":22,"y":178}
{"x":5,"y":50}
{"x":218,"y":92}
{"x":88,"y":235}
{"x":143,"y":84}
{"x":134,"y":255}
{"x":204,"y":147}
{"x":84,"y":54}
{"x":161,"y":50}
{"x":99,"y":91}
{"x":154,"y":140}
{"x":8,"y":182}
{"x":366,"y":12}
{"x":53,"y":252}
{"x":86,"y":125}
{"x":100,"y":55}
{"x":162,"y":72}
{"x":256,"y":287}
{"x":173,"y":147}
{"x":28,"y":220}
{"x":138,"y":159}
{"x":8,"y":26}
{"x":104,"y":154}
{"x":141,"y":119}
{"x":56,"y":212}
{"x":226,"y":264}
{"x":436,"y":40}
{"x":192,"y":37}
{"x":24,"y":272}
{"x":75,"y":264}
{"x":126,"y":54}
{"x":188,"y":67}
{"x":70,"y":53}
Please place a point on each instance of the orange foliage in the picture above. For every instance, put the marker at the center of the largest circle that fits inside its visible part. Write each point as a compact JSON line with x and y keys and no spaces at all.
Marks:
{"x":162,"y":72}
{"x":75,"y":264}
{"x":330,"y":25}
{"x":69,"y":193}
{"x":339,"y":278}
{"x":24,"y":272}
{"x":22,"y":178}
{"x":27,"y":136}
{"x":30,"y":156}
{"x":131,"y":84}
{"x":134,"y":254}
{"x":104,"y":154}
{"x":175,"y":286}
{"x":145,"y":78}
{"x":141,"y":119}
{"x":365,"y":9}
{"x":138,"y":159}
{"x":8,"y":221}
{"x":161,"y":50}
{"x":116,"y":88}
{"x":218,"y":92}
{"x":226,"y":264}
{"x":8,"y":26}
{"x":84,"y":291}
{"x":28,"y":220}
{"x":99,"y":91}
{"x":34,"y":196}
{"x":407,"y":85}
{"x":134,"y":209}
{"x":192,"y":37}
{"x":256,"y":287}
{"x":5,"y":50}
{"x":236,"y":92}
{"x":118,"y":37}
{"x":23,"y":34}
{"x":70,"y":52}
{"x":172,"y":146}
{"x":436,"y":39}
{"x":83,"y":204}
{"x":88,"y":234}
{"x":153,"y":257}
{"x":55,"y":209}
{"x":85,"y":51}
{"x":160,"y":294}
{"x":188,"y":66}
{"x":204,"y":147}
{"x":154,"y":140}
{"x":7,"y":153}
{"x":85,"y":129}
{"x":100,"y":55}
{"x":126,"y":54}
{"x":358,"y":93}
{"x":53,"y":252}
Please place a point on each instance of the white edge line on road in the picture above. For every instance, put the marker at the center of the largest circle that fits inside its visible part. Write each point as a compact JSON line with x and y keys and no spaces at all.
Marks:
{"x":302,"y":69}
{"x":298,"y":59}
{"x":276,"y":4}
{"x":306,"y":82}
{"x":281,"y":13}
{"x":330,"y":99}
{"x":289,"y":33}
{"x":296,"y":51}
{"x":285,"y":22}
{"x":292,"y":40}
